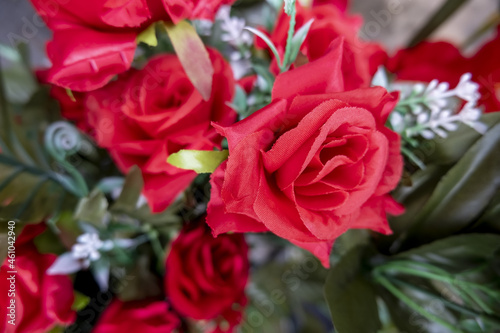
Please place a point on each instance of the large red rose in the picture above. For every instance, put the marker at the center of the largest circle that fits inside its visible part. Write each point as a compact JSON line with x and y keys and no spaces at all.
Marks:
{"x":206,"y":277}
{"x":330,"y":23}
{"x":95,"y":40}
{"x":148,"y":316}
{"x":148,"y":114}
{"x":314,"y":163}
{"x":41,"y":301}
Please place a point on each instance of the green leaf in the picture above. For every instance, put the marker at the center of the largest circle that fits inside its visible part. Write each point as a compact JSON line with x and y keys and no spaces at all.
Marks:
{"x":92,"y":209}
{"x":350,"y":297}
{"x":148,"y":36}
{"x":297,"y":41}
{"x":81,"y":301}
{"x":19,"y":81}
{"x":268,"y":43}
{"x":239,"y":103}
{"x":463,"y":192}
{"x":462,"y":251}
{"x":131,"y":191}
{"x":193,"y":56}
{"x":450,"y":149}
{"x":201,"y":161}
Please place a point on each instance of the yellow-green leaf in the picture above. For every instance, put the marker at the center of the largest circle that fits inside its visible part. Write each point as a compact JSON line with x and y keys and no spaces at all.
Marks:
{"x":201,"y":161}
{"x":193,"y":56}
{"x":148,"y":36}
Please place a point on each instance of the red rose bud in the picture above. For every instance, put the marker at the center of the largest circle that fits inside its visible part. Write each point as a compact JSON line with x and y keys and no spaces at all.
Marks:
{"x":314,"y":163}
{"x":206,"y":276}
{"x":148,"y":114}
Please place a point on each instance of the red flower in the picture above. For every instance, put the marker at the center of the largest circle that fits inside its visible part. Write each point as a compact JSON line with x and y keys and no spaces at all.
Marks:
{"x":314,"y":163}
{"x":41,"y":301}
{"x":95,"y":40}
{"x":148,"y":114}
{"x":193,"y":9}
{"x":206,"y":276}
{"x":486,"y":71}
{"x":329,"y":24}
{"x":428,"y":61}
{"x":420,"y":63}
{"x":148,"y":316}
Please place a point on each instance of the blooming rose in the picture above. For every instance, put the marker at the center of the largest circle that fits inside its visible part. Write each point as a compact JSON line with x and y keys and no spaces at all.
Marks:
{"x":41,"y":301}
{"x":206,"y":276}
{"x":148,"y":316}
{"x":95,"y":40}
{"x":329,"y":24}
{"x":148,"y":114}
{"x":314,"y":163}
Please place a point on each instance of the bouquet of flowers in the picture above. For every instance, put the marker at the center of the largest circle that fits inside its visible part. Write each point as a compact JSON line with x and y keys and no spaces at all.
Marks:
{"x":211,"y":166}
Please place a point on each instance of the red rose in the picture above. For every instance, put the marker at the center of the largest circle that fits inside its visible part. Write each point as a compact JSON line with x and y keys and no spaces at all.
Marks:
{"x":421,"y":64}
{"x":148,"y":316}
{"x":41,"y":301}
{"x":329,"y":24}
{"x":206,"y":276}
{"x":148,"y":114}
{"x":314,"y":163}
{"x":93,"y":40}
{"x":193,"y":9}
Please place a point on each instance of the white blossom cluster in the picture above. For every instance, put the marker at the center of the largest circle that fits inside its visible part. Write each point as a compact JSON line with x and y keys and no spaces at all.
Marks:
{"x":435,"y":109}
{"x":234,"y":33}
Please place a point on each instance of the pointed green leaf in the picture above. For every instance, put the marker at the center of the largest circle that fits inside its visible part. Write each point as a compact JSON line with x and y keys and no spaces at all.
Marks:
{"x":148,"y":36}
{"x":193,"y":56}
{"x":267,"y":41}
{"x":92,"y":209}
{"x":463,"y":192}
{"x":350,"y":296}
{"x":131,"y":191}
{"x":201,"y":161}
{"x":297,"y":41}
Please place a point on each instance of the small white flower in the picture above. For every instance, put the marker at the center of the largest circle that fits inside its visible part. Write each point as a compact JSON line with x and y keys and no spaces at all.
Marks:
{"x":466,"y":89}
{"x":87,"y":247}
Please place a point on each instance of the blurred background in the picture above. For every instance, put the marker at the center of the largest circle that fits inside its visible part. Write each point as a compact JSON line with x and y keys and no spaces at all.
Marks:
{"x":392,"y":22}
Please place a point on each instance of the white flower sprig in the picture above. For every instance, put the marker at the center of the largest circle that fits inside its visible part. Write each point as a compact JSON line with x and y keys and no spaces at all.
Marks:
{"x":432,"y":110}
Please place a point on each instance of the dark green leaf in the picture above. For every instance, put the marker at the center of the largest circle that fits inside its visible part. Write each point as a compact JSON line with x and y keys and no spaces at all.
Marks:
{"x":463,"y":192}
{"x":451,"y":149}
{"x":456,"y":251}
{"x":92,"y":209}
{"x":131,"y":191}
{"x":350,"y":297}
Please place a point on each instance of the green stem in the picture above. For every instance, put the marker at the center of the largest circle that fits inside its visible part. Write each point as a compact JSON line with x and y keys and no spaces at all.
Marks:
{"x":413,"y":305}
